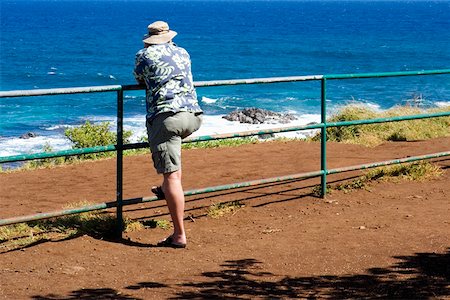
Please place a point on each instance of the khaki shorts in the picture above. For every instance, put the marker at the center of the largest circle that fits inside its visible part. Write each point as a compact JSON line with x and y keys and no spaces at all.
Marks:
{"x":165,"y":133}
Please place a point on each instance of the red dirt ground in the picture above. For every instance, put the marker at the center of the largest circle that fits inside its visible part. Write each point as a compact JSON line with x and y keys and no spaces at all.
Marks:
{"x":391,"y":241}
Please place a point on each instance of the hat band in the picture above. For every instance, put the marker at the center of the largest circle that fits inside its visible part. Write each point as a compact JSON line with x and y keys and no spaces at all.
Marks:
{"x":158,"y":32}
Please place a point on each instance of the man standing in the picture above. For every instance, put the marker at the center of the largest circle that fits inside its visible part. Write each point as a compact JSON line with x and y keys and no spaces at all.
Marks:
{"x":173,"y":113}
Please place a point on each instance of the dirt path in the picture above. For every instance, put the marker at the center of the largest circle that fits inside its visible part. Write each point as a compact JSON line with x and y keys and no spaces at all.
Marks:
{"x":392,"y":241}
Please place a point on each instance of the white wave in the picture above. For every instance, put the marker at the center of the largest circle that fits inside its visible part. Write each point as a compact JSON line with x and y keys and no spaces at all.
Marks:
{"x":112,"y":77}
{"x":16,"y":146}
{"x":208,"y":100}
{"x":442,"y":103}
{"x":217,"y":125}
{"x":56,"y":127}
{"x":135,"y":124}
{"x":51,"y":73}
{"x":373,"y":106}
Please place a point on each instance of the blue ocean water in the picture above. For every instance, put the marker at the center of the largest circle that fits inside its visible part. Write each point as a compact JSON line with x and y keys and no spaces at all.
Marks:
{"x":48,"y":44}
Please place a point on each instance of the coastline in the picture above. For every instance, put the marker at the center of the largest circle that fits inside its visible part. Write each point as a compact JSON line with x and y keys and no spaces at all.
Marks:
{"x":212,"y":124}
{"x":53,"y":135}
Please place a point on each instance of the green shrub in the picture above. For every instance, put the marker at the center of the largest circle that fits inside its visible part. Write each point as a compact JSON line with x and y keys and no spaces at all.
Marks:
{"x":91,"y":135}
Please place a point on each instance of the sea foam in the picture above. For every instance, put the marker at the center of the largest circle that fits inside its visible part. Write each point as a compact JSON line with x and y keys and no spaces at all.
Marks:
{"x":217,"y":125}
{"x":212,"y":124}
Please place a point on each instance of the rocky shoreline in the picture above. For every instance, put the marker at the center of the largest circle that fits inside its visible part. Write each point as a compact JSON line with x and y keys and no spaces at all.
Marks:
{"x":259,"y":116}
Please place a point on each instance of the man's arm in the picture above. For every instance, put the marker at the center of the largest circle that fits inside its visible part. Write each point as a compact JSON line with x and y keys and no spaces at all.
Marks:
{"x":139,"y":67}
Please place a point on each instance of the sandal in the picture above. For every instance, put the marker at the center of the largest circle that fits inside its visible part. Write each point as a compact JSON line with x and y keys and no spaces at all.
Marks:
{"x":168,"y":242}
{"x":157,"y":190}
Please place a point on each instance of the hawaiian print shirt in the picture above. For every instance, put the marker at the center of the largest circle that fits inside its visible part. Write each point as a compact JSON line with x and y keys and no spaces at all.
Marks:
{"x":166,"y":70}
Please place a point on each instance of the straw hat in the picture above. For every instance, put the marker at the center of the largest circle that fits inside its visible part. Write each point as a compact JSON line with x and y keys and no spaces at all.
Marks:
{"x":159,"y":33}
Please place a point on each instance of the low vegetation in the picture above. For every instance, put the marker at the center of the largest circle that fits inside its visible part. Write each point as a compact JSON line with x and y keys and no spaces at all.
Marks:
{"x":84,"y":136}
{"x":234,"y":142}
{"x":91,"y":135}
{"x":375,"y":134}
{"x":163,"y":224}
{"x":97,"y":224}
{"x":218,"y":210}
{"x":411,"y":171}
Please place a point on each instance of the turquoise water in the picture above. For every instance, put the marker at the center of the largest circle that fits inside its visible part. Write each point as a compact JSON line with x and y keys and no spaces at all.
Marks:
{"x":46,"y":44}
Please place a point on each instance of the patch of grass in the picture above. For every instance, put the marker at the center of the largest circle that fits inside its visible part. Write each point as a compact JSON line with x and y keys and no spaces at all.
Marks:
{"x":163,"y":224}
{"x":317,"y":190}
{"x":420,"y":171}
{"x":218,"y":210}
{"x":375,"y":134}
{"x":96,"y":224}
{"x":234,"y":142}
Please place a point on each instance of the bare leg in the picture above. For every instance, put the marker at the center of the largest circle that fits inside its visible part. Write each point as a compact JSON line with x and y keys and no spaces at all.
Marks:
{"x":173,"y":191}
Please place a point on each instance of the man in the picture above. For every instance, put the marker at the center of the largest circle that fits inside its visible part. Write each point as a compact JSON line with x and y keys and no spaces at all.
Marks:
{"x":173,"y":113}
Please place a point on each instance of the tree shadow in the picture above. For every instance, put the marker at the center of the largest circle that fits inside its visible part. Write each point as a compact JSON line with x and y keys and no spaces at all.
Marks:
{"x":420,"y":276}
{"x":102,"y":293}
{"x":84,"y":294}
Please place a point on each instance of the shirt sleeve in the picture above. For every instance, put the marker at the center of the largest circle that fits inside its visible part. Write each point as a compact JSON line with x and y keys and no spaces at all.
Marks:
{"x":139,"y":66}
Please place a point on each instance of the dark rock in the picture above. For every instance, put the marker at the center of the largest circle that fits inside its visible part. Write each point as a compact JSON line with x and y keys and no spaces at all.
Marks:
{"x":28,"y":135}
{"x":266,"y":136}
{"x":258,"y":116}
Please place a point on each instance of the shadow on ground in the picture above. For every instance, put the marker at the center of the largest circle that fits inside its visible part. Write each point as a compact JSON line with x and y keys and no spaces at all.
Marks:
{"x":419,"y":276}
{"x":85,"y":294}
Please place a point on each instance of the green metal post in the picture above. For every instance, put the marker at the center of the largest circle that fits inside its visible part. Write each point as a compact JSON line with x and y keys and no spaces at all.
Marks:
{"x":119,"y":186}
{"x":323,"y":148}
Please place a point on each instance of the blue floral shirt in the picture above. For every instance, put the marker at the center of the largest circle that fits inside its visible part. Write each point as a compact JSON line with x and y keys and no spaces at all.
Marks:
{"x":166,"y":71}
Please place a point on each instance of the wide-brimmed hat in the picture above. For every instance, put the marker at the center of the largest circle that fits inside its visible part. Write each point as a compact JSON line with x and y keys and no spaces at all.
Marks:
{"x":159,"y":33}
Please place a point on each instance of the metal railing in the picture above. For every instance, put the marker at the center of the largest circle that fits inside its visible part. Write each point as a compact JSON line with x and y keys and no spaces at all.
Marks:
{"x":120,"y":147}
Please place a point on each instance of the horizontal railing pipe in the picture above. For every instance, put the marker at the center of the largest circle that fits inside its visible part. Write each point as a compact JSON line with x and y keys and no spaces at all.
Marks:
{"x":109,"y":88}
{"x":388,"y":162}
{"x":60,"y":91}
{"x":105,"y":205}
{"x":43,"y":155}
{"x":75,"y":90}
{"x":388,"y":119}
{"x":257,"y":80}
{"x":218,"y":188}
{"x":387,"y":74}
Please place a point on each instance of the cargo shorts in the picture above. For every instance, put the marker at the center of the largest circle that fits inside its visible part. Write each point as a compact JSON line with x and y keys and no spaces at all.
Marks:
{"x":165,"y":133}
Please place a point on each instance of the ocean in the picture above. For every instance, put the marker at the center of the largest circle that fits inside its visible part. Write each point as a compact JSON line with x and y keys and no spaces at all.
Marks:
{"x":53,"y":44}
